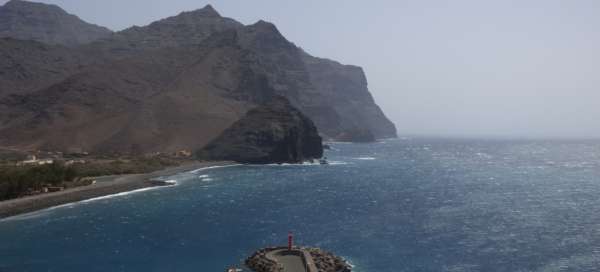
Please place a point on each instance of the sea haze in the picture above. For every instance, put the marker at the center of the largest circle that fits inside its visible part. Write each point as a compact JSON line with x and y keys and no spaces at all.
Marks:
{"x":397,"y":205}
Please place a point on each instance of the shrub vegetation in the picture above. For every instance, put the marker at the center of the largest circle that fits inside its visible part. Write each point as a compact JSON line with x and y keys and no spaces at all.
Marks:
{"x":17,"y":181}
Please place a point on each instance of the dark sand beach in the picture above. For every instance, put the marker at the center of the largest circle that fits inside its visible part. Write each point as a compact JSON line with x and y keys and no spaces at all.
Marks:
{"x":108,"y":186}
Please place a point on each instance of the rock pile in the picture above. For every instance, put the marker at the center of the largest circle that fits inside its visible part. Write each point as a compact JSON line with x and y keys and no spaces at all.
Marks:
{"x":327,"y":261}
{"x":259,"y":262}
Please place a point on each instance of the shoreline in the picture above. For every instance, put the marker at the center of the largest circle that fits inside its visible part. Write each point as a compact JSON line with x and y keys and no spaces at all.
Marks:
{"x":110,"y":186}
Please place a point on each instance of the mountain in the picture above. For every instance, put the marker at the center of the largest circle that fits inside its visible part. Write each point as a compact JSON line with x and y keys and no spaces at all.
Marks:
{"x":175,"y":84}
{"x":48,"y":24}
{"x":273,"y":132}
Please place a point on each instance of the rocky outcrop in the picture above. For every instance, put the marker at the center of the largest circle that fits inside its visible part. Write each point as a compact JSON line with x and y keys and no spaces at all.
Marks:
{"x":46,"y":23}
{"x":275,"y":132}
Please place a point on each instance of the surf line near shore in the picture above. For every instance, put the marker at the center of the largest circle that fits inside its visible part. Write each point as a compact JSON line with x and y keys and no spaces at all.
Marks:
{"x":120,"y":185}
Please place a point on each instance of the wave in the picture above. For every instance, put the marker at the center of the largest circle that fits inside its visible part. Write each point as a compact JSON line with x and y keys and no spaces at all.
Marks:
{"x":119,"y":194}
{"x":171,"y":182}
{"x":46,"y":210}
{"x":349,"y":262}
{"x":315,"y":163}
{"x":212,"y":167}
{"x":337,"y":163}
{"x":335,"y":142}
{"x":366,"y":158}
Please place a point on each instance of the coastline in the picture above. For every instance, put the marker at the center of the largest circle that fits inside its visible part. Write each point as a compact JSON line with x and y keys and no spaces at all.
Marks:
{"x":109,"y":186}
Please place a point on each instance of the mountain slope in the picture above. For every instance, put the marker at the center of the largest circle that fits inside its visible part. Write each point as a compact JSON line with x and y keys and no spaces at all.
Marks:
{"x":27,"y":66}
{"x":162,"y":100}
{"x":46,"y":23}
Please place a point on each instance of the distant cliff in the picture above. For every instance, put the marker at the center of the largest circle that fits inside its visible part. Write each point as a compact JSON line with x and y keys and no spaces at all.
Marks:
{"x":346,"y":106}
{"x":175,"y":84}
{"x":274,"y":132}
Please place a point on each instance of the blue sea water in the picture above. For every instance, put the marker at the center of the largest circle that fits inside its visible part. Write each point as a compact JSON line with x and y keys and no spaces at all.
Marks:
{"x":396,"y":205}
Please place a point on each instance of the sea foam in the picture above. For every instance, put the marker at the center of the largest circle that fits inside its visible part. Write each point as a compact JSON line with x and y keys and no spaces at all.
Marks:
{"x":212,"y":167}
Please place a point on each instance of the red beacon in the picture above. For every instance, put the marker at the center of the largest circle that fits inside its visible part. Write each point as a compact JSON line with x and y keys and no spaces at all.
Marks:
{"x":290,"y":240}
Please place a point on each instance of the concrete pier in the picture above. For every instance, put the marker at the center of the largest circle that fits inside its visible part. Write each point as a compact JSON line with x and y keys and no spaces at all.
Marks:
{"x":298,"y":259}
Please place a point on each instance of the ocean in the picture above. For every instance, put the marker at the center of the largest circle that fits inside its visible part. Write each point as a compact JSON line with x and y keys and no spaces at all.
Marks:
{"x":396,"y":205}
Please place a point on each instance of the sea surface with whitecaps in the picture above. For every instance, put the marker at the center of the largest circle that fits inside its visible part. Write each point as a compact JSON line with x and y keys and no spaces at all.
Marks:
{"x":396,"y":205}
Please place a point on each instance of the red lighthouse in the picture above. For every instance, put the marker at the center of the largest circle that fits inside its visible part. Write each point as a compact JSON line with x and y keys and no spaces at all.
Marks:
{"x":290,"y":240}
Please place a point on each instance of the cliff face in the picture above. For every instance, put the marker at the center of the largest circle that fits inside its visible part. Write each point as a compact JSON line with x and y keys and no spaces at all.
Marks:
{"x":274,"y":132}
{"x":175,"y":84}
{"x":334,"y":96}
{"x":347,"y":108}
{"x":46,"y":23}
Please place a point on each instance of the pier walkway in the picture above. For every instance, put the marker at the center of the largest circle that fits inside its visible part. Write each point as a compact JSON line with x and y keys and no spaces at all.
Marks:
{"x":295,"y":260}
{"x":291,"y":263}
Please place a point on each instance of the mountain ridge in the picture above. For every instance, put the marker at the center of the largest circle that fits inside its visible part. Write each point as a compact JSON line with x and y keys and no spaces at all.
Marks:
{"x":45,"y":23}
{"x":177,"y":83}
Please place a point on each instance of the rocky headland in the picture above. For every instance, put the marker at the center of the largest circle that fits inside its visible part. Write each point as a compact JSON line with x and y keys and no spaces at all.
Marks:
{"x":275,"y":132}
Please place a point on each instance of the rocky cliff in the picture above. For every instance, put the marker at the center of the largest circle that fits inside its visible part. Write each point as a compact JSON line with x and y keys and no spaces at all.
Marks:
{"x":274,"y":132}
{"x":46,"y":23}
{"x":347,"y":107}
{"x":175,"y":84}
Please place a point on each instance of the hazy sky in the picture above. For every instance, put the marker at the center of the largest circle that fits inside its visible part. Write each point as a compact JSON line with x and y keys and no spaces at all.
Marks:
{"x":465,"y":68}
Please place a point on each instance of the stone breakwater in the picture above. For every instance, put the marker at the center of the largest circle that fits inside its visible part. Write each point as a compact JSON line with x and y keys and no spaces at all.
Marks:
{"x":327,"y":261}
{"x":259,"y":262}
{"x":279,"y":259}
